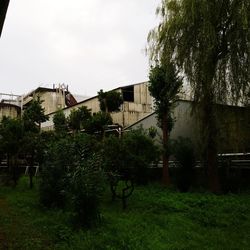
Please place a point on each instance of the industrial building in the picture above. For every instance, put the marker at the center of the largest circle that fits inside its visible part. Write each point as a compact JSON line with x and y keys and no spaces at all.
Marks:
{"x":137,"y":103}
{"x":53,"y":99}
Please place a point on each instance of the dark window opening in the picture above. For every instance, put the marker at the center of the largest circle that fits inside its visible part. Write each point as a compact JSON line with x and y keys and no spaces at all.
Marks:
{"x":128,"y":94}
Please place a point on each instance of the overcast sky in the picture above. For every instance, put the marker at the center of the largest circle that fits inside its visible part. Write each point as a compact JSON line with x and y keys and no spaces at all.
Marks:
{"x":87,"y":44}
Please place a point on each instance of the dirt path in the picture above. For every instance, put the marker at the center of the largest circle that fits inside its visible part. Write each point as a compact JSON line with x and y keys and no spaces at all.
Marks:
{"x":3,"y":240}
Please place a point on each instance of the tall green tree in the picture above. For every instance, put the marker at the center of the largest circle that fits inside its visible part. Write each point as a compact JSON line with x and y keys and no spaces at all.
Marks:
{"x":165,"y":85}
{"x":210,"y":42}
{"x":60,"y":122}
{"x":33,"y":150}
{"x":32,"y":147}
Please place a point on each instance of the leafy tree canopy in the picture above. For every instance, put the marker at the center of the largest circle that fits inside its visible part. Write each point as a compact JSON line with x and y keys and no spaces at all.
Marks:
{"x":165,"y":85}
{"x":78,"y":118}
{"x":60,"y":121}
{"x":98,"y":121}
{"x":110,"y":101}
{"x":11,"y":135}
{"x":135,"y":150}
{"x":34,"y":115}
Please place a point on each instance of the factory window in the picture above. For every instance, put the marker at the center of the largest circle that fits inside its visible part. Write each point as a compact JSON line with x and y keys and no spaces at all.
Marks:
{"x":128,"y":94}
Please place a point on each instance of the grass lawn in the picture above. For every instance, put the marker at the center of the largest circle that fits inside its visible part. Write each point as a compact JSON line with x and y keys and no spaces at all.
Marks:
{"x":156,"y":218}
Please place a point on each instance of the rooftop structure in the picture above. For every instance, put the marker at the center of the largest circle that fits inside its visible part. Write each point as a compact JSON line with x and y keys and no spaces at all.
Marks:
{"x":52,"y":99}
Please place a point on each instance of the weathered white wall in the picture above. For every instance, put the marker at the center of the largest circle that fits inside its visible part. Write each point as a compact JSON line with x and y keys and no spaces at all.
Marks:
{"x":9,"y":111}
{"x":51,"y":100}
{"x":233,"y":126}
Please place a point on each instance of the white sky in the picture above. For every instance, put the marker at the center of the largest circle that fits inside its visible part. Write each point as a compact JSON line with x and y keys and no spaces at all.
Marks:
{"x":87,"y":44}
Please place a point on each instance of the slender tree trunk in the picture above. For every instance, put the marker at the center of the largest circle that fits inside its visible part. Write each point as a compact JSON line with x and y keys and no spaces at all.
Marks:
{"x":213,"y":176}
{"x":211,"y":154}
{"x":8,"y":162}
{"x":211,"y":148}
{"x":31,"y":171}
{"x":165,"y":167}
{"x":13,"y":169}
{"x":209,"y":123}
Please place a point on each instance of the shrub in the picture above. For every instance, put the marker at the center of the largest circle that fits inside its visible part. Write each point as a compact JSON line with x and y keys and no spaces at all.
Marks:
{"x":72,"y":171}
{"x":52,"y":186}
{"x":126,"y":160}
{"x":53,"y":182}
{"x":140,"y":153}
{"x":130,"y":155}
{"x":86,"y":186}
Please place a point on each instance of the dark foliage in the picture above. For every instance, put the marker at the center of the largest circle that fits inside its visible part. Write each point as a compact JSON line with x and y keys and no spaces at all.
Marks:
{"x":11,"y":140}
{"x":86,"y":188}
{"x":71,"y":173}
{"x":60,"y":122}
{"x":53,"y":179}
{"x":130,"y":155}
{"x":79,"y":118}
{"x":126,"y":160}
{"x":34,"y":115}
{"x":110,"y":101}
{"x":98,"y":122}
{"x":183,"y":151}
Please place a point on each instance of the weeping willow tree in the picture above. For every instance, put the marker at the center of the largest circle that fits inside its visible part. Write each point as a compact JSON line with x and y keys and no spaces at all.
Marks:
{"x":209,"y":40}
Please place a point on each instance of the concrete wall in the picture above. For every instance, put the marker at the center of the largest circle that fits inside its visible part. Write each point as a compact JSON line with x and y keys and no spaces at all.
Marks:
{"x":52,"y":100}
{"x":91,"y":103}
{"x":185,"y":125}
{"x":233,"y":127}
{"x":131,"y":112}
{"x":9,"y":110}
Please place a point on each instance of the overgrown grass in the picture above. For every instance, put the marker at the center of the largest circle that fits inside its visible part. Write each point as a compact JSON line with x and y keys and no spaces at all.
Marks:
{"x":156,"y":218}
